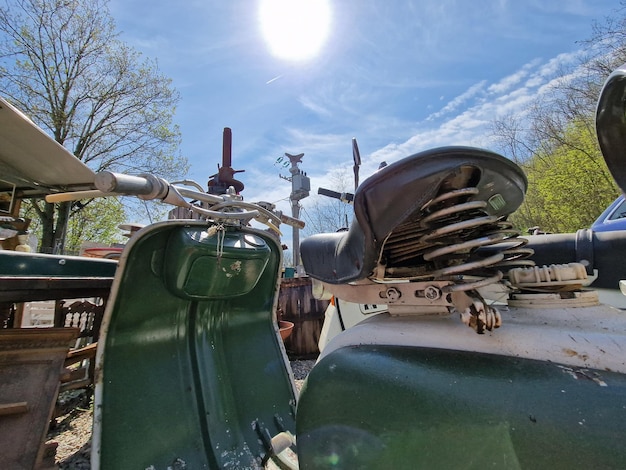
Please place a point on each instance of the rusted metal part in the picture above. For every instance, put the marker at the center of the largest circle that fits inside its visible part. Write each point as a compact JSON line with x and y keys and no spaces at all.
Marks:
{"x":480,"y":317}
{"x":224,"y":178}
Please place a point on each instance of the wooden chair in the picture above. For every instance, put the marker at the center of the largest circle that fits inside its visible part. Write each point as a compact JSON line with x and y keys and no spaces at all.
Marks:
{"x":80,"y":361}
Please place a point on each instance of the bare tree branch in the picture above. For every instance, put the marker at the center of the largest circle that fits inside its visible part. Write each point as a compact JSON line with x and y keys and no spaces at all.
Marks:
{"x":62,"y":63}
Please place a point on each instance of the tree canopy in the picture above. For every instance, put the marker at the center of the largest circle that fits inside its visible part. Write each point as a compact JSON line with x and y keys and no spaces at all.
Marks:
{"x":63,"y":64}
{"x":568,"y":187}
{"x":555,"y":142}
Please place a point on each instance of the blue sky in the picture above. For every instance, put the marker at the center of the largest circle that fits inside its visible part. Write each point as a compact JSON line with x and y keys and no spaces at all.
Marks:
{"x":400,"y":76}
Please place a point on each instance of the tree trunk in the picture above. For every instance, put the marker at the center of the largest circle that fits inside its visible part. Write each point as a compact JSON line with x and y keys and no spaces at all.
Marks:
{"x":60,"y":229}
{"x":54,"y":227}
{"x":47,"y":228}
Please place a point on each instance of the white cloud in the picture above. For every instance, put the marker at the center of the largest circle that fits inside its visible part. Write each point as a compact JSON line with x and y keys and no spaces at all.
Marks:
{"x":511,"y":80}
{"x":459,"y":100}
{"x":471,"y":125}
{"x":314,"y":106}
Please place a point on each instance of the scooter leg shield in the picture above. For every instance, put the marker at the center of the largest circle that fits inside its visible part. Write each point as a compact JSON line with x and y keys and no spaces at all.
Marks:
{"x":192,"y":371}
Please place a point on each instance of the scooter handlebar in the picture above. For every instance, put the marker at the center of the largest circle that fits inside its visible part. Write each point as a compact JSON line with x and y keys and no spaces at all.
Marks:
{"x":329,"y":193}
{"x":345,"y":197}
{"x":143,"y":186}
{"x":150,"y":187}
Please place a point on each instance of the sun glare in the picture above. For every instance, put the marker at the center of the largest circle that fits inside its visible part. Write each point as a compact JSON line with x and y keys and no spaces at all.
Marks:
{"x":295,"y":29}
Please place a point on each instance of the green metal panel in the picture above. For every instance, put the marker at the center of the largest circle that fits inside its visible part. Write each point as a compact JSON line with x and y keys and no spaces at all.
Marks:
{"x":193,"y":373}
{"x":13,"y":263}
{"x":398,"y":407}
{"x":192,"y":269}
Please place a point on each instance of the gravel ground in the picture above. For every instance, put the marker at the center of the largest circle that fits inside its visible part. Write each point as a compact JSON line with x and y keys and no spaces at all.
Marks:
{"x":73,"y":429}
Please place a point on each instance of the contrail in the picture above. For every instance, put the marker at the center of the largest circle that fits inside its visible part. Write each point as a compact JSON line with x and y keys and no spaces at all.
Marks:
{"x":273,"y":79}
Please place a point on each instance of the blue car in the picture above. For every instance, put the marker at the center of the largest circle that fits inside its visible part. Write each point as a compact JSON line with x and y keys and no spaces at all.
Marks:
{"x":613,"y":218}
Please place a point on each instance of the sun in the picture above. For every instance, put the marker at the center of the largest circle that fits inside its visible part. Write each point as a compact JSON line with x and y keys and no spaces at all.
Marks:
{"x":295,"y":29}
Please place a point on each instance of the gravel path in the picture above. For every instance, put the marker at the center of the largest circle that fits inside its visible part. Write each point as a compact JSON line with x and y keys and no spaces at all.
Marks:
{"x":73,"y":430}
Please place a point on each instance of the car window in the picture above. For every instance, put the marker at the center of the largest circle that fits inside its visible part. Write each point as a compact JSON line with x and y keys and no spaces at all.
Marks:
{"x":619,"y":212}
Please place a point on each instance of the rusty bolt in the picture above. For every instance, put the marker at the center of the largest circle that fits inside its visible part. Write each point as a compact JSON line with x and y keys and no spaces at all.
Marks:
{"x":432,"y":293}
{"x":393,"y":294}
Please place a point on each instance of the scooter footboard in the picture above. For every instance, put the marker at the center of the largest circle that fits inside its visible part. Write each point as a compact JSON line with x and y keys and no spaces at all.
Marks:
{"x":374,"y":406}
{"x":192,"y":371}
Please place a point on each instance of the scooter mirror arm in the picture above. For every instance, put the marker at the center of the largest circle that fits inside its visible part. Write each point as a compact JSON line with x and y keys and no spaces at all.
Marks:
{"x":265,"y":215}
{"x":200,"y":196}
{"x":215,"y":215}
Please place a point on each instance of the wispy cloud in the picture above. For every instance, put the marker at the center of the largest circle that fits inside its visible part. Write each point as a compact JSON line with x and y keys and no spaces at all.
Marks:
{"x":315,"y":106}
{"x":510,"y":81}
{"x":457,"y":102}
{"x":471,"y":114}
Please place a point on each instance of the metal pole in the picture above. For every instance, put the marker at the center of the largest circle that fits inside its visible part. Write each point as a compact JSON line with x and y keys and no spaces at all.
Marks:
{"x":295,"y":212}
{"x":300,"y":187}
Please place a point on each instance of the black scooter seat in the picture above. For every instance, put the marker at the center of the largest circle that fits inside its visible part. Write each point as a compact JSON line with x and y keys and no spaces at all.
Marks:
{"x":391,"y":203}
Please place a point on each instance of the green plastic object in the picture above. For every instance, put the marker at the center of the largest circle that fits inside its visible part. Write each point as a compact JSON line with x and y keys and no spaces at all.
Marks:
{"x":194,"y":373}
{"x":14,"y":263}
{"x":373,"y":407}
{"x":192,"y":269}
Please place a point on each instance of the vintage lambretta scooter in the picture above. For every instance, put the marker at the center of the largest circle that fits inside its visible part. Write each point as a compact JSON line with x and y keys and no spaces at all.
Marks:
{"x":191,"y":371}
{"x":432,"y":395}
{"x":593,"y":250}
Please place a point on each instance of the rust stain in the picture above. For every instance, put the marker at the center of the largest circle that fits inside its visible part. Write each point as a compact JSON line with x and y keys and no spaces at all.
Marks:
{"x":572,"y":353}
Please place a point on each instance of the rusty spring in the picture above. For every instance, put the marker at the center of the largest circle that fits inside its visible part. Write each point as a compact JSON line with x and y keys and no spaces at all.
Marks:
{"x":450,"y":238}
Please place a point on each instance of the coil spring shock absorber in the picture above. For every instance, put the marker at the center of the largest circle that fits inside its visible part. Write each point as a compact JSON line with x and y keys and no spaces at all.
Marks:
{"x":457,"y":228}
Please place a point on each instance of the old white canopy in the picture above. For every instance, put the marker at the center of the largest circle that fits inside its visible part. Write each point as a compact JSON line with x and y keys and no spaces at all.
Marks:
{"x":33,"y":163}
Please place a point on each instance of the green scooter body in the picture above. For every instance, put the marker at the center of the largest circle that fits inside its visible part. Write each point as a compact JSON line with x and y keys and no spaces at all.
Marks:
{"x":192,"y":372}
{"x":378,"y":406}
{"x":40,"y":265}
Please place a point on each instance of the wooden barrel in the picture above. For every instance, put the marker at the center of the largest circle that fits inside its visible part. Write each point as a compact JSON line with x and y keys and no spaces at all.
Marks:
{"x":297,"y":305}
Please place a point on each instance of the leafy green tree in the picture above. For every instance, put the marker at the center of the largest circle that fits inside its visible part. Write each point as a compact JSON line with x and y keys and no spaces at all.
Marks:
{"x":569,"y":187}
{"x":63,"y":64}
{"x":554,"y":139}
{"x":96,"y":222}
